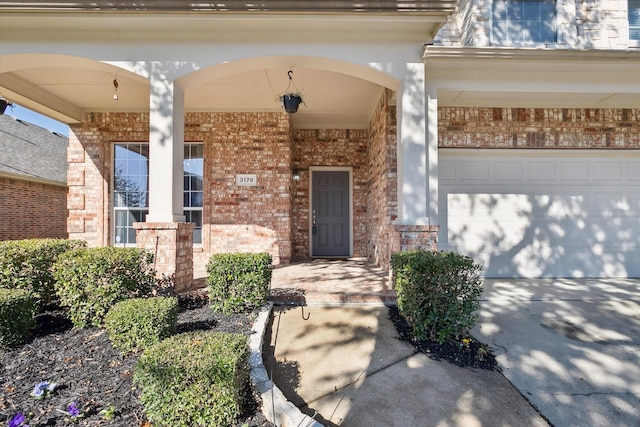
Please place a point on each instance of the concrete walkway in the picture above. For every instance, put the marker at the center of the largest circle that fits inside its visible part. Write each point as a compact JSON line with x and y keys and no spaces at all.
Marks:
{"x":571,"y":347}
{"x":345,"y":366}
{"x":328,"y":282}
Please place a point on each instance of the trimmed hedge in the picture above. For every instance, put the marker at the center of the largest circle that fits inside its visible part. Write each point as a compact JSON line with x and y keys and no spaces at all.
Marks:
{"x":193,"y":379}
{"x":27,"y":264}
{"x":138,"y":323}
{"x":437,"y":292}
{"x":238,"y":282}
{"x":17,"y":309}
{"x":89,"y":281}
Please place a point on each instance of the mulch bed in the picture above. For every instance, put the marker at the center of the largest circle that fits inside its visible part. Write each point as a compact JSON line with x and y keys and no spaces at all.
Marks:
{"x":90,"y":372}
{"x":466,"y":352}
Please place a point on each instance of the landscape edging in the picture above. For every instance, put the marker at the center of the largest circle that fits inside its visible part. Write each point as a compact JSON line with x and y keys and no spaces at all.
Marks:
{"x":275,"y":406}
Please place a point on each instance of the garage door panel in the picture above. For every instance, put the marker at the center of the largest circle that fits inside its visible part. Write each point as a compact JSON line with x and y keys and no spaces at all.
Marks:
{"x":607,"y":171}
{"x":504,"y":170}
{"x":541,"y":170}
{"x":632,"y":170}
{"x":473,"y":170}
{"x":571,"y":170}
{"x":577,"y":217}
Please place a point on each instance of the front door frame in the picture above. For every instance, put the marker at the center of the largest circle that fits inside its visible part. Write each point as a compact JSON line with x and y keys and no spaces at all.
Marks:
{"x":313,"y":169}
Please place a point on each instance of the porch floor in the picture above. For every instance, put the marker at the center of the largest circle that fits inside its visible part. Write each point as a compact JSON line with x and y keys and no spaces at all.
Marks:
{"x":322,"y":281}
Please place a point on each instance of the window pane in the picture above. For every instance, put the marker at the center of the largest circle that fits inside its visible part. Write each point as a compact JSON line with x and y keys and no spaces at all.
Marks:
{"x":634,"y":19}
{"x":196,"y":183}
{"x":193,"y":186}
{"x":196,"y":218}
{"x":499,"y":10}
{"x":531,"y":11}
{"x":524,"y":21}
{"x":131,"y":235}
{"x":514,"y":11}
{"x":197,"y":151}
{"x":138,"y":216}
{"x":118,"y":199}
{"x":547,"y":33}
{"x":130,"y":190}
{"x":196,"y":199}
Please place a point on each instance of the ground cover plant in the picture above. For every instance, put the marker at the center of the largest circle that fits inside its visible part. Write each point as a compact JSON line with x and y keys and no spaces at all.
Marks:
{"x":466,"y":351}
{"x":89,"y":382}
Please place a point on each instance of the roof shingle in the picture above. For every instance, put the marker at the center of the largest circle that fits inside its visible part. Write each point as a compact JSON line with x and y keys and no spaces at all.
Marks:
{"x":30,"y":152}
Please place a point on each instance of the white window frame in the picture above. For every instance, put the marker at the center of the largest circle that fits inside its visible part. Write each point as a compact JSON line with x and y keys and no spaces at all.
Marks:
{"x":193,"y":208}
{"x":115,"y":208}
{"x":145,"y":210}
{"x":504,"y":42}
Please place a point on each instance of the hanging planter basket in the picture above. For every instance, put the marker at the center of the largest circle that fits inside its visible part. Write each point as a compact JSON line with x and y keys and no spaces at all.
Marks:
{"x":291,"y":102}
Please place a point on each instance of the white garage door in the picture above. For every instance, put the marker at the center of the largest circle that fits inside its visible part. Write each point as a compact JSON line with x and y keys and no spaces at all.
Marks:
{"x":541,"y":213}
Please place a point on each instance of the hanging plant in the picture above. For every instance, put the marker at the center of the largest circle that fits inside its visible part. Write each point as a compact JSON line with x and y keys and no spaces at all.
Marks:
{"x":291,"y":101}
{"x":291,"y":98}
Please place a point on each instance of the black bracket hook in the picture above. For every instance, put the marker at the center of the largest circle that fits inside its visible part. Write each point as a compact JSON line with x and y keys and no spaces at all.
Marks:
{"x":289,"y":74}
{"x":308,"y":314}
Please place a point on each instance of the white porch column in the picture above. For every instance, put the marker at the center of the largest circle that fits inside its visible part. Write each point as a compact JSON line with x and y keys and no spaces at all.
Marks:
{"x":412,"y":148}
{"x":432,"y":151}
{"x":166,"y":150}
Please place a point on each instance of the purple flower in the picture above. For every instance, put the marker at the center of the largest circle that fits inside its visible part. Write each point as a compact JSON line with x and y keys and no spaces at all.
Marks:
{"x":17,"y":421}
{"x":42,"y":388}
{"x":73,"y":410}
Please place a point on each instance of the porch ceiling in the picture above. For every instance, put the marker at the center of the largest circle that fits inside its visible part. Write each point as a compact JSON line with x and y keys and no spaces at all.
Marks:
{"x":65,"y":86}
{"x":332,"y":100}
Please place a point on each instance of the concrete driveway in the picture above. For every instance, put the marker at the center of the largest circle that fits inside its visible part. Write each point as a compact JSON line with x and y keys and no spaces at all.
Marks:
{"x":570,"y":346}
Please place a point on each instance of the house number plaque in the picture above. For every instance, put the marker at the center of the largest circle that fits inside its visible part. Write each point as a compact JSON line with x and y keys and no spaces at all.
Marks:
{"x":245,"y":180}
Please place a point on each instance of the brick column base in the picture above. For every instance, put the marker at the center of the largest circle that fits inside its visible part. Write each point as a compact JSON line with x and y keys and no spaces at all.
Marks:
{"x":172,"y":246}
{"x":408,"y":237}
{"x":412,"y":237}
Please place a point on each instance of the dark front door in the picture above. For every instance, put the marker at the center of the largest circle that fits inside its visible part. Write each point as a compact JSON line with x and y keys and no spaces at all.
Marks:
{"x":330,"y":214}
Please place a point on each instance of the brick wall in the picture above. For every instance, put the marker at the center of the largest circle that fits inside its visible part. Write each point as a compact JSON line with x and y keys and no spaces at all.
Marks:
{"x":559,"y":128}
{"x":245,"y":143}
{"x":32,"y":210}
{"x":382,"y":194}
{"x":234,"y":143}
{"x":330,"y":147}
{"x":90,"y":156}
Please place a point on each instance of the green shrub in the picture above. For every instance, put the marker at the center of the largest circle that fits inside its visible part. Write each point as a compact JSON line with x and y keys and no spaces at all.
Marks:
{"x":238,"y":282}
{"x":437,"y":292}
{"x":138,"y":323}
{"x":193,"y":379}
{"x":90,"y":281}
{"x":27,"y":264}
{"x":17,"y":308}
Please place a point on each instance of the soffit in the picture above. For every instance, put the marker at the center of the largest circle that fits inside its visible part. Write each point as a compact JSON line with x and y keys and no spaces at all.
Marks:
{"x":536,"y":78}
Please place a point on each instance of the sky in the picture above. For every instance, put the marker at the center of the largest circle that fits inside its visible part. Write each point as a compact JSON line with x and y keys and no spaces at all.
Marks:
{"x":37,"y":119}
